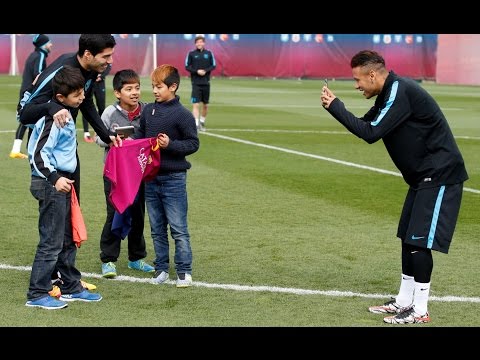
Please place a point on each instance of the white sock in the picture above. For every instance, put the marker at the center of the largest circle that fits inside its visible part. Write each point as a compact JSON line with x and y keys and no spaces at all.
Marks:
{"x":406,"y":292}
{"x":86,"y":134}
{"x":17,"y":144}
{"x":420,"y":300}
{"x":196,"y":121}
{"x":202,"y":119}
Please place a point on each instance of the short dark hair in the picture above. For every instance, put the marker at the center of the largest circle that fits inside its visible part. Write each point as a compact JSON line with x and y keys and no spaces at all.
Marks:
{"x":122,"y":77}
{"x":367,"y":57}
{"x":67,"y":80}
{"x":166,"y":73}
{"x":95,"y":43}
{"x":199,"y":37}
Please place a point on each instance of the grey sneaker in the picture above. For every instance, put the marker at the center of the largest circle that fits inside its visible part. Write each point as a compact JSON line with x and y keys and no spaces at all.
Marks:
{"x":201,"y":126}
{"x":390,"y":307}
{"x":184,"y":280}
{"x":159,"y":277}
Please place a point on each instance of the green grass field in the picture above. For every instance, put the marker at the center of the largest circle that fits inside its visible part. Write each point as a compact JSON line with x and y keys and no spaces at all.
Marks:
{"x":286,"y":229}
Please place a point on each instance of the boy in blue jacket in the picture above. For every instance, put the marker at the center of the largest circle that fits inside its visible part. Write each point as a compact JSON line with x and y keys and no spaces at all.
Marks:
{"x":52,"y":157}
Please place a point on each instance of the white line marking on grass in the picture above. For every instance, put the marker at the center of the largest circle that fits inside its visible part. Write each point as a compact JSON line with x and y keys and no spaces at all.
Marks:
{"x":287,"y":131}
{"x":316,"y":132}
{"x":297,"y":106}
{"x":388,"y":172}
{"x":341,"y":162}
{"x":272,"y":289}
{"x":467,"y":137}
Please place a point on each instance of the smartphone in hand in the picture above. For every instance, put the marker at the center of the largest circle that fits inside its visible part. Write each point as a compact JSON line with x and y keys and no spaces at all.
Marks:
{"x":325,"y":85}
{"x":124,"y":131}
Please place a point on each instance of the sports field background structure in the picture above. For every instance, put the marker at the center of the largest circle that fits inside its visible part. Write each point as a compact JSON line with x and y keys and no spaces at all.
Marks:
{"x":435,"y":57}
{"x":248,"y":55}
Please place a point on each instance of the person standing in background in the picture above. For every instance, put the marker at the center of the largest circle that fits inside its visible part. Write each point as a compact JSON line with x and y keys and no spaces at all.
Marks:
{"x":100,"y":99}
{"x":34,"y":65}
{"x":200,"y":62}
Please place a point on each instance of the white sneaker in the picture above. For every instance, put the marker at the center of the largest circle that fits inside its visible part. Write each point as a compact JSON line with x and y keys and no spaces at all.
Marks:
{"x":159,"y":277}
{"x":201,"y":126}
{"x":184,"y":280}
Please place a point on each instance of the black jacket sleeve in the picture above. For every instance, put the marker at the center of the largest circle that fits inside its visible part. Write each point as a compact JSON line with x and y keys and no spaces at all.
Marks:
{"x":189,"y":142}
{"x":91,"y":115}
{"x":378,"y":121}
{"x":212,"y":64}
{"x":31,"y":112}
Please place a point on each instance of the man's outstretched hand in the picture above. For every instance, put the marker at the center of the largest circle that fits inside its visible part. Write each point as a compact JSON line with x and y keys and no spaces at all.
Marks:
{"x":327,"y":97}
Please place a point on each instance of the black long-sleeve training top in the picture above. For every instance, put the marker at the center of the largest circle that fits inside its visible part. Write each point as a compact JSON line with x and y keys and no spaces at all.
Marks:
{"x":414,"y":130}
{"x":197,"y":60}
{"x":36,"y":62}
{"x":38,"y":104}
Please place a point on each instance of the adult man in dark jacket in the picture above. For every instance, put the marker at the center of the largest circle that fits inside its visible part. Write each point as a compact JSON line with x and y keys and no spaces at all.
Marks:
{"x":95,"y":53}
{"x":420,"y":143}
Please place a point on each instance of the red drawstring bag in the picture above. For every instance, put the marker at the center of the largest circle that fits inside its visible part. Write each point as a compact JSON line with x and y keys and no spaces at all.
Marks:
{"x":79,"y":230}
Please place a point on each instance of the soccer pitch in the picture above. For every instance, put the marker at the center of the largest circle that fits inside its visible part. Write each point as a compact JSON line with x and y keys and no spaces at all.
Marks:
{"x":292,"y":219}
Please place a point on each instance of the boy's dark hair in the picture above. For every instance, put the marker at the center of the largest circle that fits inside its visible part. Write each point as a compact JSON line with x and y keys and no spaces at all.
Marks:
{"x":95,"y":43}
{"x":166,"y":73}
{"x":199,"y":37}
{"x":67,"y":80}
{"x":367,"y":57}
{"x":122,"y":77}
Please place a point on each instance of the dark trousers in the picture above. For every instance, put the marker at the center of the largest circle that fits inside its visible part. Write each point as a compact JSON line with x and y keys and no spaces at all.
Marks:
{"x":110,"y":243}
{"x":21,"y":132}
{"x":75,"y":176}
{"x":56,"y":249}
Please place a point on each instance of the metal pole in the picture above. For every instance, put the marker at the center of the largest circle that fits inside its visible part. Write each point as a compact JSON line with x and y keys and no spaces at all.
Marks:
{"x":154,"y":45}
{"x":13,"y":54}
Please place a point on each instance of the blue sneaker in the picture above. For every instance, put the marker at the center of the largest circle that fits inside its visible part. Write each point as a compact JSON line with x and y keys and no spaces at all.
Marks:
{"x":109,"y":270}
{"x":47,"y":302}
{"x":84,"y":295}
{"x":141,"y":265}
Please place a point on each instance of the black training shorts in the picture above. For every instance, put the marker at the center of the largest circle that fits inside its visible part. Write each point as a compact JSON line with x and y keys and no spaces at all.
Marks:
{"x":200,"y":93}
{"x":429,"y":216}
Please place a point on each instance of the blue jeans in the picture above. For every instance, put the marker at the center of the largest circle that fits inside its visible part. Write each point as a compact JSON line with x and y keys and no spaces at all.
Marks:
{"x":56,"y":249}
{"x":167,"y":205}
